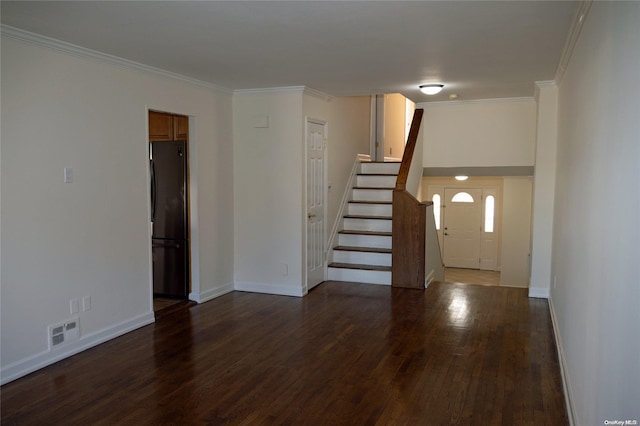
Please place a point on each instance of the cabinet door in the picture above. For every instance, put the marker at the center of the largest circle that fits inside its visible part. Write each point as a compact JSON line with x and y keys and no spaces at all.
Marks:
{"x":180,"y":128}
{"x":160,"y":126}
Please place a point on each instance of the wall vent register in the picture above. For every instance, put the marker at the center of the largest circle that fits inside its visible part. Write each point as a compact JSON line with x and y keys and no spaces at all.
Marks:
{"x":65,"y":332}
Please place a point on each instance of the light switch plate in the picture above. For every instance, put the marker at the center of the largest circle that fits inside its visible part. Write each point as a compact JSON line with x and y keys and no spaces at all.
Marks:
{"x":261,"y":122}
{"x":74,"y":306}
{"x":68,"y":175}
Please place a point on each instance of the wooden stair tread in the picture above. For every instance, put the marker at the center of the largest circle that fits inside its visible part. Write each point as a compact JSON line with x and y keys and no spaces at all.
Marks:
{"x":372,"y":233}
{"x":377,"y":174}
{"x":363,"y":249}
{"x":371,"y":202}
{"x":359,"y":266}
{"x":382,"y":162}
{"x":357,"y":216}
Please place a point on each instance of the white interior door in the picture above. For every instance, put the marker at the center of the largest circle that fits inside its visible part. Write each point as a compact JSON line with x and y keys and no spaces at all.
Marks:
{"x":462,"y":225}
{"x":316,"y":187}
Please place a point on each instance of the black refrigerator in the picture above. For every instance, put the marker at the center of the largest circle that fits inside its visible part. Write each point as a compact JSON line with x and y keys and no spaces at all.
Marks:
{"x":170,"y":244}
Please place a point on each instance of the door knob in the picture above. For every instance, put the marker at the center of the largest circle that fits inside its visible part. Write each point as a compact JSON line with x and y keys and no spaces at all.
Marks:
{"x":311,"y":215}
{"x":446,"y":233}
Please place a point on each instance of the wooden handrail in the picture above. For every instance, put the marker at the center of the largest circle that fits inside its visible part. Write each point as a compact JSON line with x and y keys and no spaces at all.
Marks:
{"x":409,"y":217}
{"x":410,"y":147}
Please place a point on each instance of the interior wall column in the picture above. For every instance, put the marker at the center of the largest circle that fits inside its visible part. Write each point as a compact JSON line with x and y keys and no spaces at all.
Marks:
{"x":546,"y":96}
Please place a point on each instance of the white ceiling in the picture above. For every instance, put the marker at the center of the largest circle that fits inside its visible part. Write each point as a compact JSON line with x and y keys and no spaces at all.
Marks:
{"x":478,"y":49}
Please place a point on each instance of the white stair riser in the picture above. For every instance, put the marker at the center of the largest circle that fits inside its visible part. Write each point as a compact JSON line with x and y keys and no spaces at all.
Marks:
{"x":378,"y":225}
{"x":360,"y":276}
{"x":373,"y":195}
{"x":370,"y":209}
{"x":377,"y":168}
{"x":362,"y":258}
{"x":373,"y":181}
{"x":372,"y":241}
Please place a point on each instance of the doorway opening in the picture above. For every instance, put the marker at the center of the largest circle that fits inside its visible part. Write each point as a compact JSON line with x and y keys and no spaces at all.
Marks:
{"x":169,"y":215}
{"x":504,"y":222}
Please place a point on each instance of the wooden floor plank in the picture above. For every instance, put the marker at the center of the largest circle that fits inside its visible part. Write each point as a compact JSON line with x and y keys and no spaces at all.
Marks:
{"x":345,"y":354}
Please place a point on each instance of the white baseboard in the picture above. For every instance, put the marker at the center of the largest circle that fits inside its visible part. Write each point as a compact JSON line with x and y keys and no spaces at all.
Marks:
{"x":429,"y":278}
{"x":267,"y":288}
{"x":28,"y":365}
{"x":539,"y":293}
{"x":212,"y":293}
{"x":566,"y":385}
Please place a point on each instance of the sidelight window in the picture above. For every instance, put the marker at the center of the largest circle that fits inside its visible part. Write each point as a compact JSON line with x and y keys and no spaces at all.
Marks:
{"x":436,"y":209}
{"x":489,"y":209}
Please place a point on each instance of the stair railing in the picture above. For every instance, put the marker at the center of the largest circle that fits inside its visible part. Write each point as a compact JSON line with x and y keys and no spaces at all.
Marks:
{"x":408,"y":251}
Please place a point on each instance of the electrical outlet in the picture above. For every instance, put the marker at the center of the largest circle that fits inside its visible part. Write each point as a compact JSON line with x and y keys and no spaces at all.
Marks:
{"x":284,"y":269}
{"x":86,"y":303}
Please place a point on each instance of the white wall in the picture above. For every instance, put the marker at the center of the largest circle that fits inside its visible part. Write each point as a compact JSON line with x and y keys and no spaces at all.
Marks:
{"x":596,"y":228}
{"x":268,"y":179}
{"x":395,"y":110}
{"x":433,"y":269}
{"x":91,"y":237}
{"x":479,"y":133}
{"x":516,"y":231}
{"x":544,"y":188}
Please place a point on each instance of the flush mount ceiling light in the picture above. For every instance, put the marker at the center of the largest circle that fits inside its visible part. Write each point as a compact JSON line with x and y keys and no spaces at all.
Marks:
{"x":431,"y":89}
{"x":462,"y":177}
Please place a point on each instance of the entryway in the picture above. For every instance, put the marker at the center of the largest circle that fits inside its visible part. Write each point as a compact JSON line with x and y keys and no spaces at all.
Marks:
{"x":504,"y":222}
{"x":169,"y":216}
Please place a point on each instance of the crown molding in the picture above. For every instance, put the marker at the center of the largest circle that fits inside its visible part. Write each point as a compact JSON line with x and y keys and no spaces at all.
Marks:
{"x":474,"y":101}
{"x":85,"y":53}
{"x":545,"y":83}
{"x":318,"y":94}
{"x":285,"y":89}
{"x":574,"y":33}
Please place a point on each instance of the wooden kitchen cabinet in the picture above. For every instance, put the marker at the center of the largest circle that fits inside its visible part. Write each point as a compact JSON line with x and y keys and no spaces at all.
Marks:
{"x":168,"y":127}
{"x":180,"y":128}
{"x":160,"y":126}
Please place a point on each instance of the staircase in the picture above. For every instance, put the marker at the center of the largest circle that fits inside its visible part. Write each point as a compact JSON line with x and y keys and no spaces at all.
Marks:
{"x":363,"y":253}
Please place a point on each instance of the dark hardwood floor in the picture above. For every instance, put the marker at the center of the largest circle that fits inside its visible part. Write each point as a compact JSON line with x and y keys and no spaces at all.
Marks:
{"x":345,"y":354}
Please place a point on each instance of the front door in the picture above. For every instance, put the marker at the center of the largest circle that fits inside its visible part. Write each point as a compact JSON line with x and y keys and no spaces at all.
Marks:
{"x":316,"y":234}
{"x":462,"y":225}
